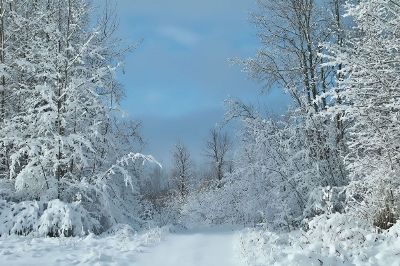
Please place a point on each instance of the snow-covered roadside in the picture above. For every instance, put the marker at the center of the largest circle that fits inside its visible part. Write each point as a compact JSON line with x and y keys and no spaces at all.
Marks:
{"x":332,"y":240}
{"x":120,"y":247}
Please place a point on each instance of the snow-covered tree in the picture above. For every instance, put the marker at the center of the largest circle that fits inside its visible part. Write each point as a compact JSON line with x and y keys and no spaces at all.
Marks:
{"x":62,"y":136}
{"x":61,"y":114}
{"x":217,"y":150}
{"x":290,"y":160}
{"x":367,"y":99}
{"x":182,"y":171}
{"x":292,"y":34}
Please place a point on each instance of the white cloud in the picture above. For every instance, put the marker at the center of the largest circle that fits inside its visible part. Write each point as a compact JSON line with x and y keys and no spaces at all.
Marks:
{"x":179,"y":35}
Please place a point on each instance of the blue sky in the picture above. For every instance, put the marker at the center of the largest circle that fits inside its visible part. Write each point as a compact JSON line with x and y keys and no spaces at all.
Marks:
{"x":178,"y":78}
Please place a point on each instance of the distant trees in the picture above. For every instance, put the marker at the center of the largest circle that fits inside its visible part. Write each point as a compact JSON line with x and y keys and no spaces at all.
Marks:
{"x":218,"y":146}
{"x":182,"y":170}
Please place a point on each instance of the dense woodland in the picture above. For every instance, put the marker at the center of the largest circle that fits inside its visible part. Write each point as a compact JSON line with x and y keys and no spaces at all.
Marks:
{"x":68,"y":159}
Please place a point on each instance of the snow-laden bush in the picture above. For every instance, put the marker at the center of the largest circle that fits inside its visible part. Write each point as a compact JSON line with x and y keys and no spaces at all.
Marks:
{"x":94,"y":204}
{"x":18,"y":218}
{"x":325,"y":200}
{"x":337,"y":239}
{"x":235,"y":202}
{"x":66,"y":219}
{"x":226,"y":205}
{"x":202,"y":208}
{"x":55,"y":218}
{"x":7,"y":189}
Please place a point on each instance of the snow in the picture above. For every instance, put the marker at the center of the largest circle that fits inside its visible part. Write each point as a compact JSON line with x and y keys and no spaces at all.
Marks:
{"x":334,"y":240}
{"x":156,"y":247}
{"x":195,"y":248}
{"x":118,"y":248}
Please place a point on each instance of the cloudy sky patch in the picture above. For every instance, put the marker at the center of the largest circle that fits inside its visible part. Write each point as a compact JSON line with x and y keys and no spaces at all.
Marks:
{"x":180,"y":35}
{"x":178,"y":78}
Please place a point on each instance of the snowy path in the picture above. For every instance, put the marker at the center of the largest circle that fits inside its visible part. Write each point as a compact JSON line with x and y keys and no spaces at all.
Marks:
{"x":203,"y":248}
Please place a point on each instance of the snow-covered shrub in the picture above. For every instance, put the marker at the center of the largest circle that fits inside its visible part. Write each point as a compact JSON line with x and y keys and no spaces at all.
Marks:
{"x":93,"y":205}
{"x":340,"y":232}
{"x":207,"y":208}
{"x":374,"y":199}
{"x":325,"y":200}
{"x":53,"y":218}
{"x":154,"y":235}
{"x":19,"y":218}
{"x":232,"y":203}
{"x":259,"y":248}
{"x":336,"y":239}
{"x":172,"y":211}
{"x":7,"y":189}
{"x":113,"y":196}
{"x":66,"y":219}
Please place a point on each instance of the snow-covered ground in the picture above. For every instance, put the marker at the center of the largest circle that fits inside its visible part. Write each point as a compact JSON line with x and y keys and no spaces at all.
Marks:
{"x":194,"y":248}
{"x":153,"y":248}
{"x":120,"y":248}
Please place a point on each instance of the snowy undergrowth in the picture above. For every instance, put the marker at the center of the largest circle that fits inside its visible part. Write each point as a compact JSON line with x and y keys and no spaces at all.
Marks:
{"x":331,"y":240}
{"x":118,"y":246}
{"x":54,"y":218}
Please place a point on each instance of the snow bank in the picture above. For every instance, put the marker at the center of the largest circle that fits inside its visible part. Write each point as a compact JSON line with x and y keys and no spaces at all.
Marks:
{"x":55,"y":218}
{"x":118,"y":246}
{"x":331,"y":240}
